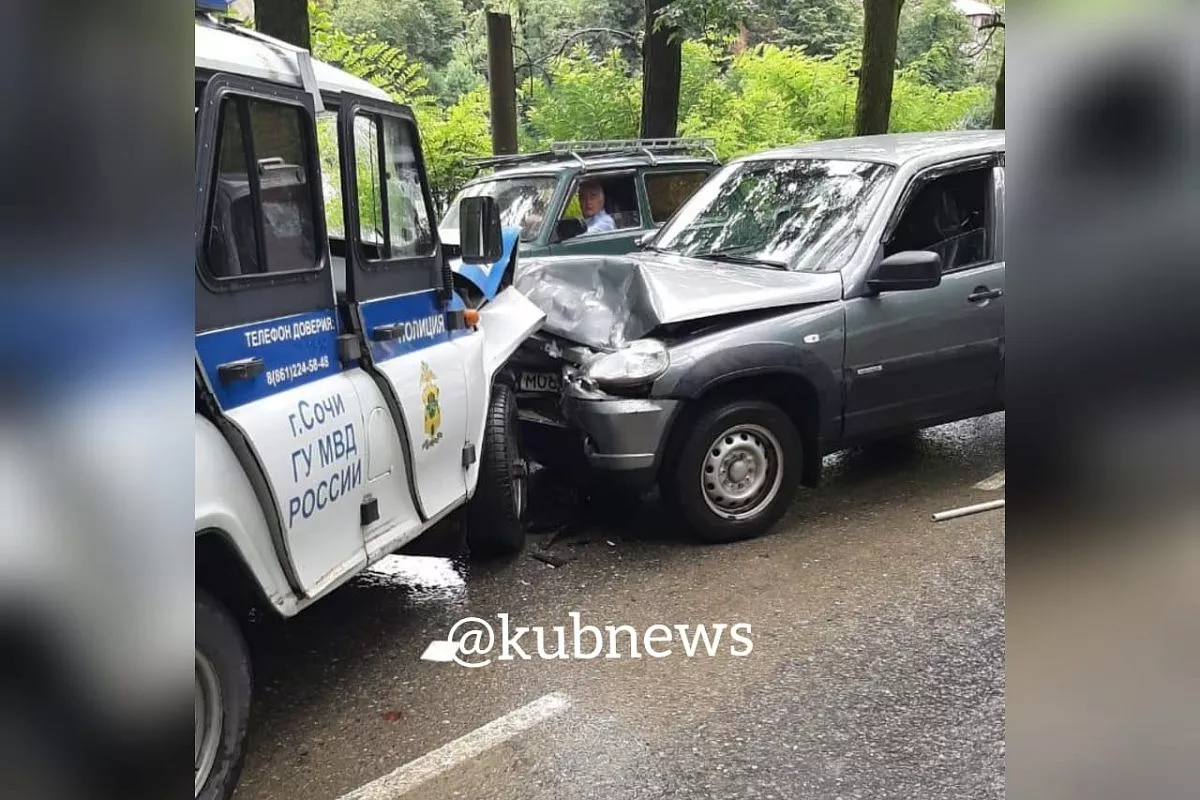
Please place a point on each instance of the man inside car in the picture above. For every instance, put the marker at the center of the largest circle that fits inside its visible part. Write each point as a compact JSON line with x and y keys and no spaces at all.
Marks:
{"x":591,"y":203}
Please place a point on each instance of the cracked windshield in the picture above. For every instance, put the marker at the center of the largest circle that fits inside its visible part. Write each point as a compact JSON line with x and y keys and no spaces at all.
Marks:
{"x":523,"y":203}
{"x":802,"y":214}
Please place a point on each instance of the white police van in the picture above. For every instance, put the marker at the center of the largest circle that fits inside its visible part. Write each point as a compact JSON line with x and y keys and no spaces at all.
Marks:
{"x":349,"y":389}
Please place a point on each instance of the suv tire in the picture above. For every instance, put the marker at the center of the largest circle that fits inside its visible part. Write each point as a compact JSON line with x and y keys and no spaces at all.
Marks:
{"x":495,"y":515}
{"x":735,"y":471}
{"x":224,"y":662}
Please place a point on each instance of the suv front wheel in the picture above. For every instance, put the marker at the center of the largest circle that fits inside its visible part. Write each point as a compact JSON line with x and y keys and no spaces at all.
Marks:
{"x":735,"y":473}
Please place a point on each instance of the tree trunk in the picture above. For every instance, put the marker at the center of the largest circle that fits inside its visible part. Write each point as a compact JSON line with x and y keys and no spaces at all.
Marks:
{"x":998,"y":108}
{"x":662,"y":62}
{"x":502,"y":84}
{"x":881,"y":29}
{"x":284,"y":19}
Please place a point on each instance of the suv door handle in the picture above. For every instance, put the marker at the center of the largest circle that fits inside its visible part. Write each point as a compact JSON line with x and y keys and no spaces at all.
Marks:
{"x":983,"y":293}
{"x":240,"y":370}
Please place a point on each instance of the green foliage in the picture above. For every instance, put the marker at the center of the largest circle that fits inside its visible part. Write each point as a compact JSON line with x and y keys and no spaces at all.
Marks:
{"x":818,"y":27}
{"x":932,"y":43}
{"x":774,"y":96}
{"x":585,"y":98}
{"x":463,"y":74}
{"x":700,"y":67}
{"x":364,"y":55}
{"x":452,"y":137}
{"x":919,"y":106}
{"x":424,"y":29}
{"x":708,"y":20}
{"x":794,"y":83}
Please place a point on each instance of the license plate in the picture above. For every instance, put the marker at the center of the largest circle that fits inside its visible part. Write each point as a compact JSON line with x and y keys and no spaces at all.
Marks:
{"x":540,"y":382}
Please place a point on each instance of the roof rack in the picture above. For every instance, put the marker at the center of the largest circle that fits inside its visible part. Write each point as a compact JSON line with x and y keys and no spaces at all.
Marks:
{"x":580,"y":150}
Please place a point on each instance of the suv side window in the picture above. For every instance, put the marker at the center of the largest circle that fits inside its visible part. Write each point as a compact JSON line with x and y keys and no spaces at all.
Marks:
{"x":952,"y":216}
{"x":264,"y":204}
{"x":666,"y":191}
{"x":620,"y":199}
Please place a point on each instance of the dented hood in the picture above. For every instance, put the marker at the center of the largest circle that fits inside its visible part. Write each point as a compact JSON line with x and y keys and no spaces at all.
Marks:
{"x":606,"y":301}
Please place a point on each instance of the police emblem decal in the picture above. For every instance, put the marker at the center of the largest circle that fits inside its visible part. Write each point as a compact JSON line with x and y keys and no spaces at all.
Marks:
{"x":431,"y":402}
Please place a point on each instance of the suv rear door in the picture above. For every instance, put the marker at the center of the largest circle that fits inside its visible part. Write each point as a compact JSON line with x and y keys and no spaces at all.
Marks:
{"x":267,"y":363}
{"x":667,"y":188}
{"x":397,"y":296}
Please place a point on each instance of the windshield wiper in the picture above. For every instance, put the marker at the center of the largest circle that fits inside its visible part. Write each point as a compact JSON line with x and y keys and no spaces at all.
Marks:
{"x":741,"y":258}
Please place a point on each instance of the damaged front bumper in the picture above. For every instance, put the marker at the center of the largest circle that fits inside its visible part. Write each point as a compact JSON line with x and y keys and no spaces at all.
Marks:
{"x":587,"y":431}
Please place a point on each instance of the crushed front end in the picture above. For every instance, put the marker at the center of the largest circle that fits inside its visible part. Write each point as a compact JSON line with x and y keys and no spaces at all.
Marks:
{"x":571,"y":425}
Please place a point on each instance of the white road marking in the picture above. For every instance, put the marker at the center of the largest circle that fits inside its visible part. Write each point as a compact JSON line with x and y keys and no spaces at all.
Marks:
{"x":992,"y":483}
{"x":404,"y":779}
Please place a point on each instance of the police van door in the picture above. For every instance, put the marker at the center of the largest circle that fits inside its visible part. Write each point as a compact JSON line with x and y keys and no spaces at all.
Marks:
{"x":395,"y":283}
{"x":267,"y":329}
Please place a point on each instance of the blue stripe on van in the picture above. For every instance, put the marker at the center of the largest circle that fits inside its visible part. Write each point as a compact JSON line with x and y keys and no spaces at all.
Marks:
{"x":295,"y":350}
{"x":421,"y":317}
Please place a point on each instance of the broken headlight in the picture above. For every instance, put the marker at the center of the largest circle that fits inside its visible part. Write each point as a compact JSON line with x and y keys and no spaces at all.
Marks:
{"x":638,"y":362}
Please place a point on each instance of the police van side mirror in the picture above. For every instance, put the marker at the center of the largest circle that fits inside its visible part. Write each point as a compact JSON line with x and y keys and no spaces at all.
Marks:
{"x":479,"y":233}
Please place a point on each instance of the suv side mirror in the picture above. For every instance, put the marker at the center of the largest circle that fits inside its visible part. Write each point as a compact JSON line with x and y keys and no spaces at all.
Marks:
{"x":568,"y":228}
{"x":907,"y":270}
{"x":479,"y":236}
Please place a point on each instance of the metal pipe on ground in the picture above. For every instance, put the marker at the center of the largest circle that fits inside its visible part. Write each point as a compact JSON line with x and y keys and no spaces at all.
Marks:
{"x":966,"y":510}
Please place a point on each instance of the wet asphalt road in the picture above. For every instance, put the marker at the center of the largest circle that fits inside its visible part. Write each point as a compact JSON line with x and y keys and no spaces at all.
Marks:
{"x":877,"y":668}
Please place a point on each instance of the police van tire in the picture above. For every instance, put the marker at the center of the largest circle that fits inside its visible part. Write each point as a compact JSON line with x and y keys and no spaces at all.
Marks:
{"x":495,"y":515}
{"x":222,"y":662}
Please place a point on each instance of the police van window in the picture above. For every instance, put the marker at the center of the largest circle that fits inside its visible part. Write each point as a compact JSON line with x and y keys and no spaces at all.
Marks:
{"x":370,"y":197}
{"x":331,"y":174}
{"x":262,"y":211}
{"x":392,"y":208}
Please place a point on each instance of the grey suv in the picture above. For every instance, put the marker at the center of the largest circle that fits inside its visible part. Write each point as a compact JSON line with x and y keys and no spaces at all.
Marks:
{"x":804,"y":299}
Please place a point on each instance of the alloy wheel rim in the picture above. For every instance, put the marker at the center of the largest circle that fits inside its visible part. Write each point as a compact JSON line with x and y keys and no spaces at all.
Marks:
{"x":741,"y":472}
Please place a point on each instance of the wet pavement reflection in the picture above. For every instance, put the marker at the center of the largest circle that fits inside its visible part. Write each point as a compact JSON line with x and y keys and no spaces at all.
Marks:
{"x":877,"y":668}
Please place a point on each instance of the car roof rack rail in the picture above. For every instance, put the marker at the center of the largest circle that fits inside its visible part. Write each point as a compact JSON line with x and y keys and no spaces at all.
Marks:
{"x":648,"y":147}
{"x":580,"y":150}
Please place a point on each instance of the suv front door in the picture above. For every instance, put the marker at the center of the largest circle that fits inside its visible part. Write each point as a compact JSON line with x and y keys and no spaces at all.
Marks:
{"x":398,"y":298}
{"x":622,"y":201}
{"x":928,"y":355}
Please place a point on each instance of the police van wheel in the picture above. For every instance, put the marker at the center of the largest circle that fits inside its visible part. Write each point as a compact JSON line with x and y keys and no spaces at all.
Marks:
{"x":222,"y":697}
{"x":496,"y":514}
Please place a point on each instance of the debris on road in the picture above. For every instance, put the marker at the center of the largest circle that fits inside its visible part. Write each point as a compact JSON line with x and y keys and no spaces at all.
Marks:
{"x":965,"y":510}
{"x":550,"y":558}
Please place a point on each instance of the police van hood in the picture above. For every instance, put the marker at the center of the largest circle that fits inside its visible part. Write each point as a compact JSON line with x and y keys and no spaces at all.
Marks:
{"x":606,"y":301}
